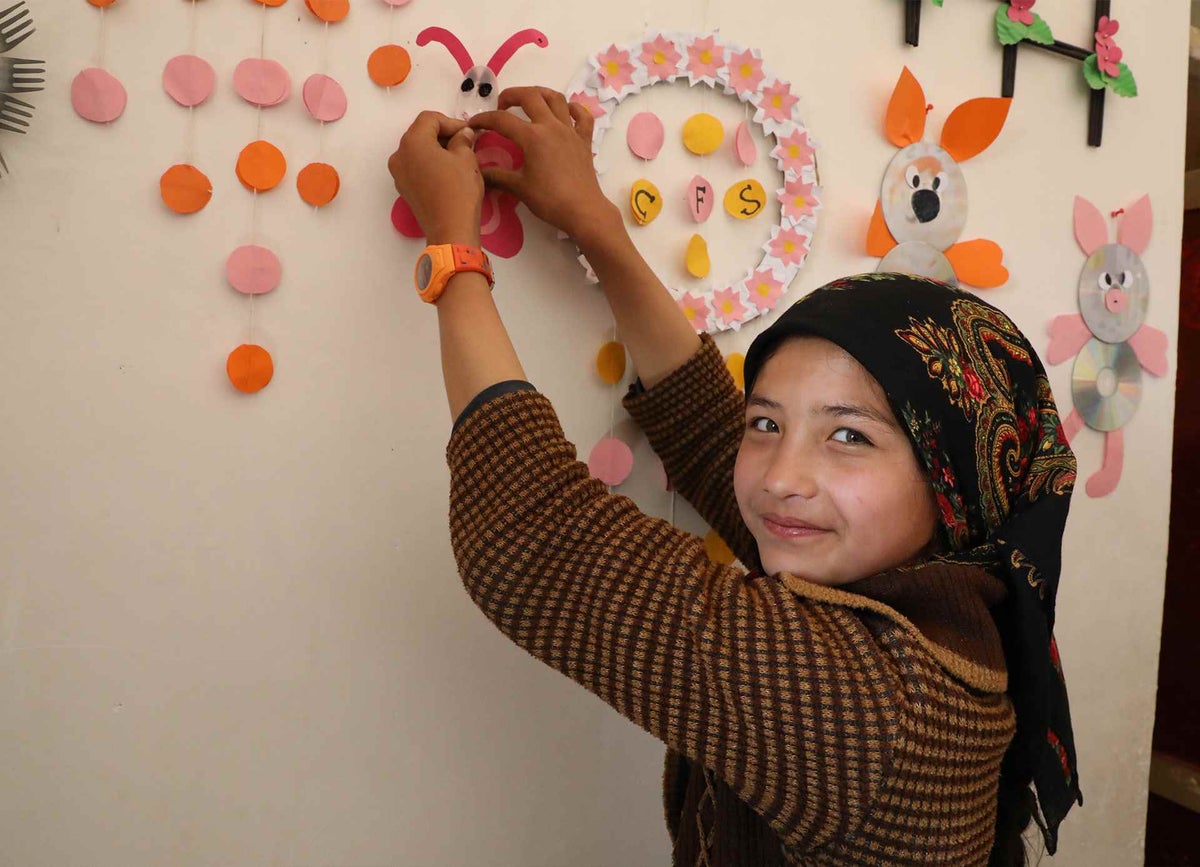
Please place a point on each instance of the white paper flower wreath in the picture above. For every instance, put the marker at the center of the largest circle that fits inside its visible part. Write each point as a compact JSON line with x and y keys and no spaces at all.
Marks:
{"x":618,"y":72}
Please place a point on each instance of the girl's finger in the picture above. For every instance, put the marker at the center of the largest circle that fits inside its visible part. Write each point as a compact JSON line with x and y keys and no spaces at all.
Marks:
{"x":504,"y":180}
{"x":557,"y":103}
{"x":508,"y":125}
{"x":462,"y":141}
{"x":530,"y":99}
{"x":584,"y":122}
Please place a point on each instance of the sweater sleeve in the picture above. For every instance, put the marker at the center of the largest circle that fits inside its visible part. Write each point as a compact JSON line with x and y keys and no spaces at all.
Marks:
{"x":694,"y":419}
{"x":790,"y":700}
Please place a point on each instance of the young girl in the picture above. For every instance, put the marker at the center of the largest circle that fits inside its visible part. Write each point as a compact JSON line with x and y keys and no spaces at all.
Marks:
{"x":882,"y":687}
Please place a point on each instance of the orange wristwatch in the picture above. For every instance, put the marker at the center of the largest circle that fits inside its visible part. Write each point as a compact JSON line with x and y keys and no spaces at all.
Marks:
{"x":439,"y":262}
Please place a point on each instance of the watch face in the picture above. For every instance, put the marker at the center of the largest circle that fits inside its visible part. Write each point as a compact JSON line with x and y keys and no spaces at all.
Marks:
{"x":424,"y":271}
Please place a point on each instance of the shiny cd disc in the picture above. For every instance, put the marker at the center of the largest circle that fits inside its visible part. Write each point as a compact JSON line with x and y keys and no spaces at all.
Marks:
{"x":921,"y":260}
{"x":1106,"y":384}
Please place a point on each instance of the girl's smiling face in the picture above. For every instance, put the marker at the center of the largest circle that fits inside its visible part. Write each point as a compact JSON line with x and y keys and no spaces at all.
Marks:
{"x":826,"y":478}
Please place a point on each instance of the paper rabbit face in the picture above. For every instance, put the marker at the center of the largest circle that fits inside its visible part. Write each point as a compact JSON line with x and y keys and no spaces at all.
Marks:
{"x":478,"y":90}
{"x":924,"y":196}
{"x":1114,"y":289}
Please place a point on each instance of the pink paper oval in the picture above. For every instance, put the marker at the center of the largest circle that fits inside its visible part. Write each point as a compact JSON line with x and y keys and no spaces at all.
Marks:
{"x":262,"y":82}
{"x":253,"y":270}
{"x":324,"y":98}
{"x":645,"y":135}
{"x":744,"y":145}
{"x":700,"y":198}
{"x":397,"y":2}
{"x":611,"y":461}
{"x":97,"y":96}
{"x":189,"y":80}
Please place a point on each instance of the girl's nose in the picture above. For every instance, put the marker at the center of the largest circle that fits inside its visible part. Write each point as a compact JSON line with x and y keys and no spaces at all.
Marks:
{"x":792,"y":472}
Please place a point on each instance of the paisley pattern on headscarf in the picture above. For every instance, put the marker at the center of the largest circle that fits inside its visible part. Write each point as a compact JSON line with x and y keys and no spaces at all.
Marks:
{"x":978,"y":409}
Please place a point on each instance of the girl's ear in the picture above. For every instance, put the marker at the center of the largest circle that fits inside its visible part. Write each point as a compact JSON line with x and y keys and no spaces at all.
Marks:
{"x":904,"y":123}
{"x":1090,"y":229}
{"x":1134,"y":231}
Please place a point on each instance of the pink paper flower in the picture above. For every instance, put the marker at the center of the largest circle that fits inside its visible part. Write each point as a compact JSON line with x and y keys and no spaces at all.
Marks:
{"x":615,"y":70}
{"x":1018,"y":10}
{"x":1108,"y":55}
{"x":765,"y":291}
{"x":695,"y":309}
{"x":794,"y":151}
{"x":789,"y":247}
{"x":728,"y":305}
{"x":500,"y":229}
{"x":588,"y":101}
{"x":705,"y":57}
{"x":777,"y":101}
{"x":745,"y":72}
{"x":660,"y":58}
{"x":1107,"y":29}
{"x":798,"y":199}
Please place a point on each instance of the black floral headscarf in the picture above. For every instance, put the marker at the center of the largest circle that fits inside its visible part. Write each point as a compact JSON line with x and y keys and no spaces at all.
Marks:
{"x":977,"y":407}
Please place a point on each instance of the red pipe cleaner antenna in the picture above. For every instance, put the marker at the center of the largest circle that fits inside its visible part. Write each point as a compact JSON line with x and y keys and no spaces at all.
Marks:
{"x":452,"y":43}
{"x":505,"y":52}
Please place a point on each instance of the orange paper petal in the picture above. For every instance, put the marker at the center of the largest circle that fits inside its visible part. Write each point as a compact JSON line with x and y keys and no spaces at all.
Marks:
{"x":610,"y":362}
{"x":879,"y":237}
{"x":977,"y":263}
{"x":318,"y":184}
{"x":973,"y":126}
{"x":249,"y":368}
{"x":331,"y":11}
{"x":261,"y":166}
{"x":185,"y":189}
{"x":905,"y":120}
{"x":389,"y":65}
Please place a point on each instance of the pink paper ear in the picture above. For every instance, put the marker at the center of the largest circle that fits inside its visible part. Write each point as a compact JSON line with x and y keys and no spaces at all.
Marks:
{"x":1134,"y":231}
{"x":1090,"y":229}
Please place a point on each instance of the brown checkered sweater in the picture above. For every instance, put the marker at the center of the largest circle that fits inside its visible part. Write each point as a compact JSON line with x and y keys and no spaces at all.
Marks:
{"x":804,"y":724}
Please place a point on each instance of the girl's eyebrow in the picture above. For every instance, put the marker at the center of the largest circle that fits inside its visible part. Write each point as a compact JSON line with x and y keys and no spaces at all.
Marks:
{"x":855,"y":411}
{"x":755,"y":400}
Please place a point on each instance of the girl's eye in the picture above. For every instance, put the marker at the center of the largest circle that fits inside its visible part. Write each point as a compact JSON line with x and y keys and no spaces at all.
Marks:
{"x":850,"y":436}
{"x":763,"y":425}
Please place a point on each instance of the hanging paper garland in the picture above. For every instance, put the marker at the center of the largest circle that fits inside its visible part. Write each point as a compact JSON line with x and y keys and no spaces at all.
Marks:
{"x":612,"y":75}
{"x":389,"y":64}
{"x":318,"y":183}
{"x":96,"y":94}
{"x":189,"y":81}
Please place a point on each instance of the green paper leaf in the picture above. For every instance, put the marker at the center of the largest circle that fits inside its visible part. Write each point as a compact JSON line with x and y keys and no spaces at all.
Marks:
{"x":1009,"y":32}
{"x":1092,"y":73}
{"x":937,"y":3}
{"x":1123,"y":84}
{"x":1039,"y":31}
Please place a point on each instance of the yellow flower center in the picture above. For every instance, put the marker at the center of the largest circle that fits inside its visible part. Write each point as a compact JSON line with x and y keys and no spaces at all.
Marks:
{"x":727,"y":306}
{"x":789,"y":247}
{"x":689,"y":312}
{"x":746,"y":70}
{"x":794,"y":151}
{"x":799,"y":202}
{"x":706,"y":56}
{"x":777,"y":101}
{"x":612,"y":67}
{"x":764,"y":289}
{"x":659,"y":57}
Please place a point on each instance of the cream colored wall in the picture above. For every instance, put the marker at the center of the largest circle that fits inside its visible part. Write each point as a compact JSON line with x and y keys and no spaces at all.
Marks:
{"x":231,"y":631}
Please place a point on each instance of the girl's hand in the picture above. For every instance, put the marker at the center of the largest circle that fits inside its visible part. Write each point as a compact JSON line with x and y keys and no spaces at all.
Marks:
{"x":435,"y":169}
{"x":558,"y":181}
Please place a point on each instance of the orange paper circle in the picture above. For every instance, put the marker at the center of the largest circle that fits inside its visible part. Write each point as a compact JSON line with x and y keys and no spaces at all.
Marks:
{"x":717,"y":550}
{"x":610,"y":362}
{"x":102,"y":3}
{"x":389,"y":65}
{"x":318,"y":184}
{"x":249,"y":368}
{"x":261,"y":166}
{"x":185,"y":189}
{"x":270,"y":2}
{"x":331,"y":11}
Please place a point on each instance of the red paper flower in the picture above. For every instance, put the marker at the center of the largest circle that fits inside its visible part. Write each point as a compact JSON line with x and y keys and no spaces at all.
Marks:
{"x":1108,"y":55}
{"x":1018,"y":10}
{"x":500,"y":230}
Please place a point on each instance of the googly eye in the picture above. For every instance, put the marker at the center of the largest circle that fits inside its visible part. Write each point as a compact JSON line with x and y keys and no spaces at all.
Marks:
{"x":911,"y":177}
{"x":939,"y":180}
{"x":1104,"y":281}
{"x":468,"y":84}
{"x":1126,"y":279}
{"x":485,"y":90}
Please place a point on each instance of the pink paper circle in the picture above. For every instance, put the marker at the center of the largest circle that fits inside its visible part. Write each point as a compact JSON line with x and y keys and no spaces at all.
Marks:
{"x":397,"y":2}
{"x":324,"y":98}
{"x":189,"y":80}
{"x":262,"y":82}
{"x":645,"y":135}
{"x":97,"y":96}
{"x":744,"y":146}
{"x":611,"y":461}
{"x":253,"y":270}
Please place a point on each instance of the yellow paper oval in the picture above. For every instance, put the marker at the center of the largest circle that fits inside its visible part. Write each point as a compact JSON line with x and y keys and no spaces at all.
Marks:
{"x":610,"y":362}
{"x":736,"y":364}
{"x":702,"y":134}
{"x":645,"y":201}
{"x":698,"y":264}
{"x":746,"y":199}
{"x":716,"y":549}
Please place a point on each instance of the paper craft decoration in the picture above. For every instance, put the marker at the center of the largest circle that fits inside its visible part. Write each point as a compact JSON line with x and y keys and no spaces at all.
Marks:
{"x":745,"y":199}
{"x":744,"y":147}
{"x":249,"y":368}
{"x":189,"y":80}
{"x":318,"y":184}
{"x":615,"y":73}
{"x":253,"y":270}
{"x":185,"y":189}
{"x":699,"y":198}
{"x":96,"y":94}
{"x":262,"y":82}
{"x":703,"y":134}
{"x":923,"y":204}
{"x":261,"y":166}
{"x":645,"y":135}
{"x":717,"y":550}
{"x":324,"y":98}
{"x":1108,"y":338}
{"x":697,"y":261}
{"x":735,"y":363}
{"x":329,"y":11}
{"x":645,"y":201}
{"x":611,"y":461}
{"x":610,"y":362}
{"x":500,"y":230}
{"x":478,"y":90}
{"x":389,"y":65}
